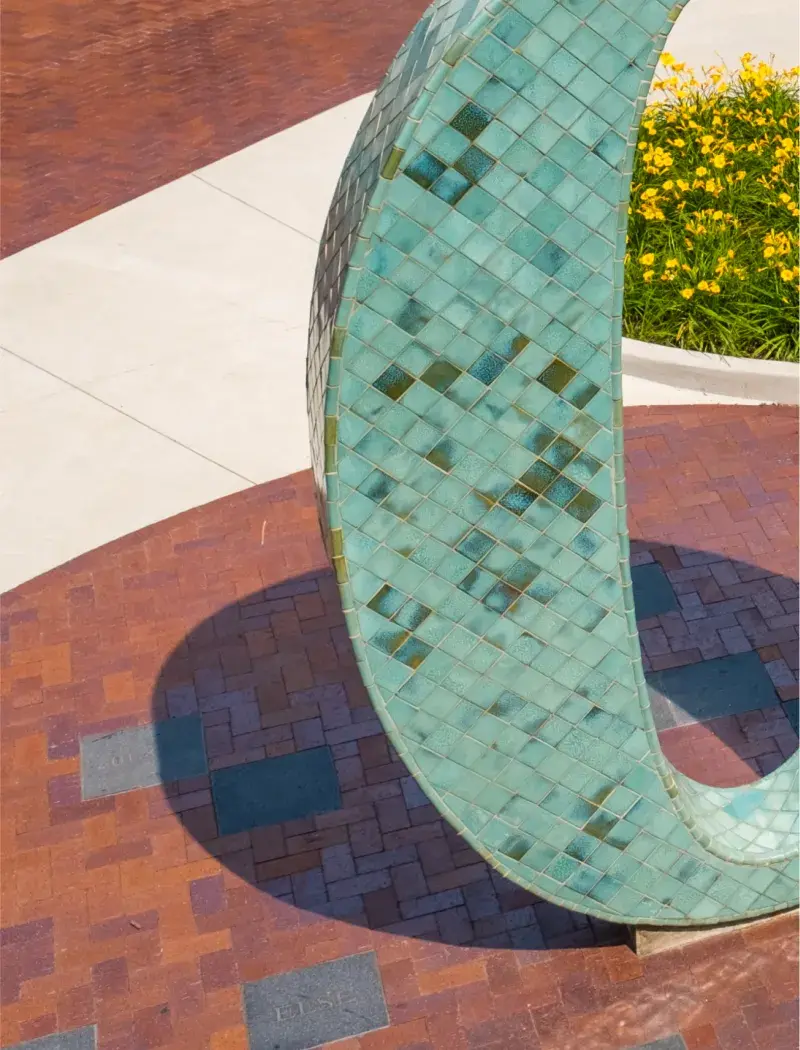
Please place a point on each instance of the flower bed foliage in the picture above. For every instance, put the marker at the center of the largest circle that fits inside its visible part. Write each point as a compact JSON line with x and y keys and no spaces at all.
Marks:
{"x":712,"y":260}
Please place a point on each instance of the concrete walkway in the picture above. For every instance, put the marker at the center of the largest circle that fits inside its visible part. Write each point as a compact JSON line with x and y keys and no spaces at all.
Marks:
{"x":153,"y":357}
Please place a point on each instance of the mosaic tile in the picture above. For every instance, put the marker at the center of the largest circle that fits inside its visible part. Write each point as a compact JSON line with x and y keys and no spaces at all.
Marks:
{"x":316,"y":1005}
{"x":142,"y":756}
{"x":275,"y":789}
{"x":489,"y":460}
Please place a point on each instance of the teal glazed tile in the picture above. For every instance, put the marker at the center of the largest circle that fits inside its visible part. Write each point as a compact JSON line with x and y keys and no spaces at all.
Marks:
{"x":464,"y":400}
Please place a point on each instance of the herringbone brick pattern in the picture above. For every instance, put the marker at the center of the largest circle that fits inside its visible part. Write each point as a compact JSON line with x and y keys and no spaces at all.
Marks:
{"x":131,"y":912}
{"x":726,"y":608}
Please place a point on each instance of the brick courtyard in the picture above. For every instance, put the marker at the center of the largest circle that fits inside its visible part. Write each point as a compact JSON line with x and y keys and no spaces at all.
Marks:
{"x":132,"y":912}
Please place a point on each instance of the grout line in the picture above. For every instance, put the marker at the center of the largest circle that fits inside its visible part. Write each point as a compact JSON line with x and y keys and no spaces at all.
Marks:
{"x":127,"y":415}
{"x":247,"y":204}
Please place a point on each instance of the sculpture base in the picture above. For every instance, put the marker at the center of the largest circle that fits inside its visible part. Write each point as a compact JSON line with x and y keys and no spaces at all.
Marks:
{"x":650,"y":940}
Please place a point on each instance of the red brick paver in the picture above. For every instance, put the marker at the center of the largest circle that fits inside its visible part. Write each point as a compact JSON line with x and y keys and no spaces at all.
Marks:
{"x":131,"y":913}
{"x":104,"y":101}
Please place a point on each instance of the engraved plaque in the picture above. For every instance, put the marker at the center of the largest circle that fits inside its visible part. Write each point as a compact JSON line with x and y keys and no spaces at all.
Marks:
{"x":142,"y":756}
{"x":77,"y":1039}
{"x":316,"y":1005}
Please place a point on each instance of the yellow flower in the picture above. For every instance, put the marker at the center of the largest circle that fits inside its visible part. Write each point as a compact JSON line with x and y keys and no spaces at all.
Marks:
{"x":714,"y":288}
{"x":769,"y":252}
{"x":707,"y":140}
{"x":671,"y":264}
{"x":647,"y":260}
{"x":786,"y":275}
{"x":719,"y":161}
{"x":647,"y":276}
{"x":702,"y":286}
{"x":717,"y":215}
{"x":687,"y":293}
{"x":701,"y":171}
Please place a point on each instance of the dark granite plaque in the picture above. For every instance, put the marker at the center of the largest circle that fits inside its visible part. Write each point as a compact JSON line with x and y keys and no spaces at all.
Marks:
{"x":669,"y":1042}
{"x":77,"y":1039}
{"x":142,"y":756}
{"x":316,"y":1005}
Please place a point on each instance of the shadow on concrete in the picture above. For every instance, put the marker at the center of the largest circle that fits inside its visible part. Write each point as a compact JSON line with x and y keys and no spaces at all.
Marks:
{"x":307,"y":800}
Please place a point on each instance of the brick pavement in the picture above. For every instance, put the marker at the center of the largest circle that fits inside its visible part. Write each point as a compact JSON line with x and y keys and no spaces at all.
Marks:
{"x":80,"y":135}
{"x":130,"y":911}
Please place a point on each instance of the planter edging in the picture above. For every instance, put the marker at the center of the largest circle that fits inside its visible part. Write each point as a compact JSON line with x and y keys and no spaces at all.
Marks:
{"x":770,"y":382}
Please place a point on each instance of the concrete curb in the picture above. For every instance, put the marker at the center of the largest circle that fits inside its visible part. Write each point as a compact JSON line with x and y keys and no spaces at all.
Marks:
{"x":768,"y":382}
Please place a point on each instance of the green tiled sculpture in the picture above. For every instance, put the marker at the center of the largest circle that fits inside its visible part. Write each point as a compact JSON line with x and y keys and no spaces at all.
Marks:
{"x":465,"y":401}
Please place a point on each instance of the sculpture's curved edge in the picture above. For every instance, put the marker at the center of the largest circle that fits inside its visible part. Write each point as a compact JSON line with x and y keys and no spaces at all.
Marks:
{"x":683,"y":790}
{"x":342,"y":320}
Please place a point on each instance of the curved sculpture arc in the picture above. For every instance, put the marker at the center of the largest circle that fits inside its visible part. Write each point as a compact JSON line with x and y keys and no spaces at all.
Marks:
{"x":464,"y":390}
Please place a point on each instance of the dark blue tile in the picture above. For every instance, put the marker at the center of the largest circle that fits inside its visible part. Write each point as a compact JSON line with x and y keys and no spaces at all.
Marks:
{"x":181,"y":750}
{"x":275,"y":789}
{"x":652,"y":592}
{"x":791,"y":712}
{"x":77,"y":1039}
{"x":316,"y":1005}
{"x":727,"y":686}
